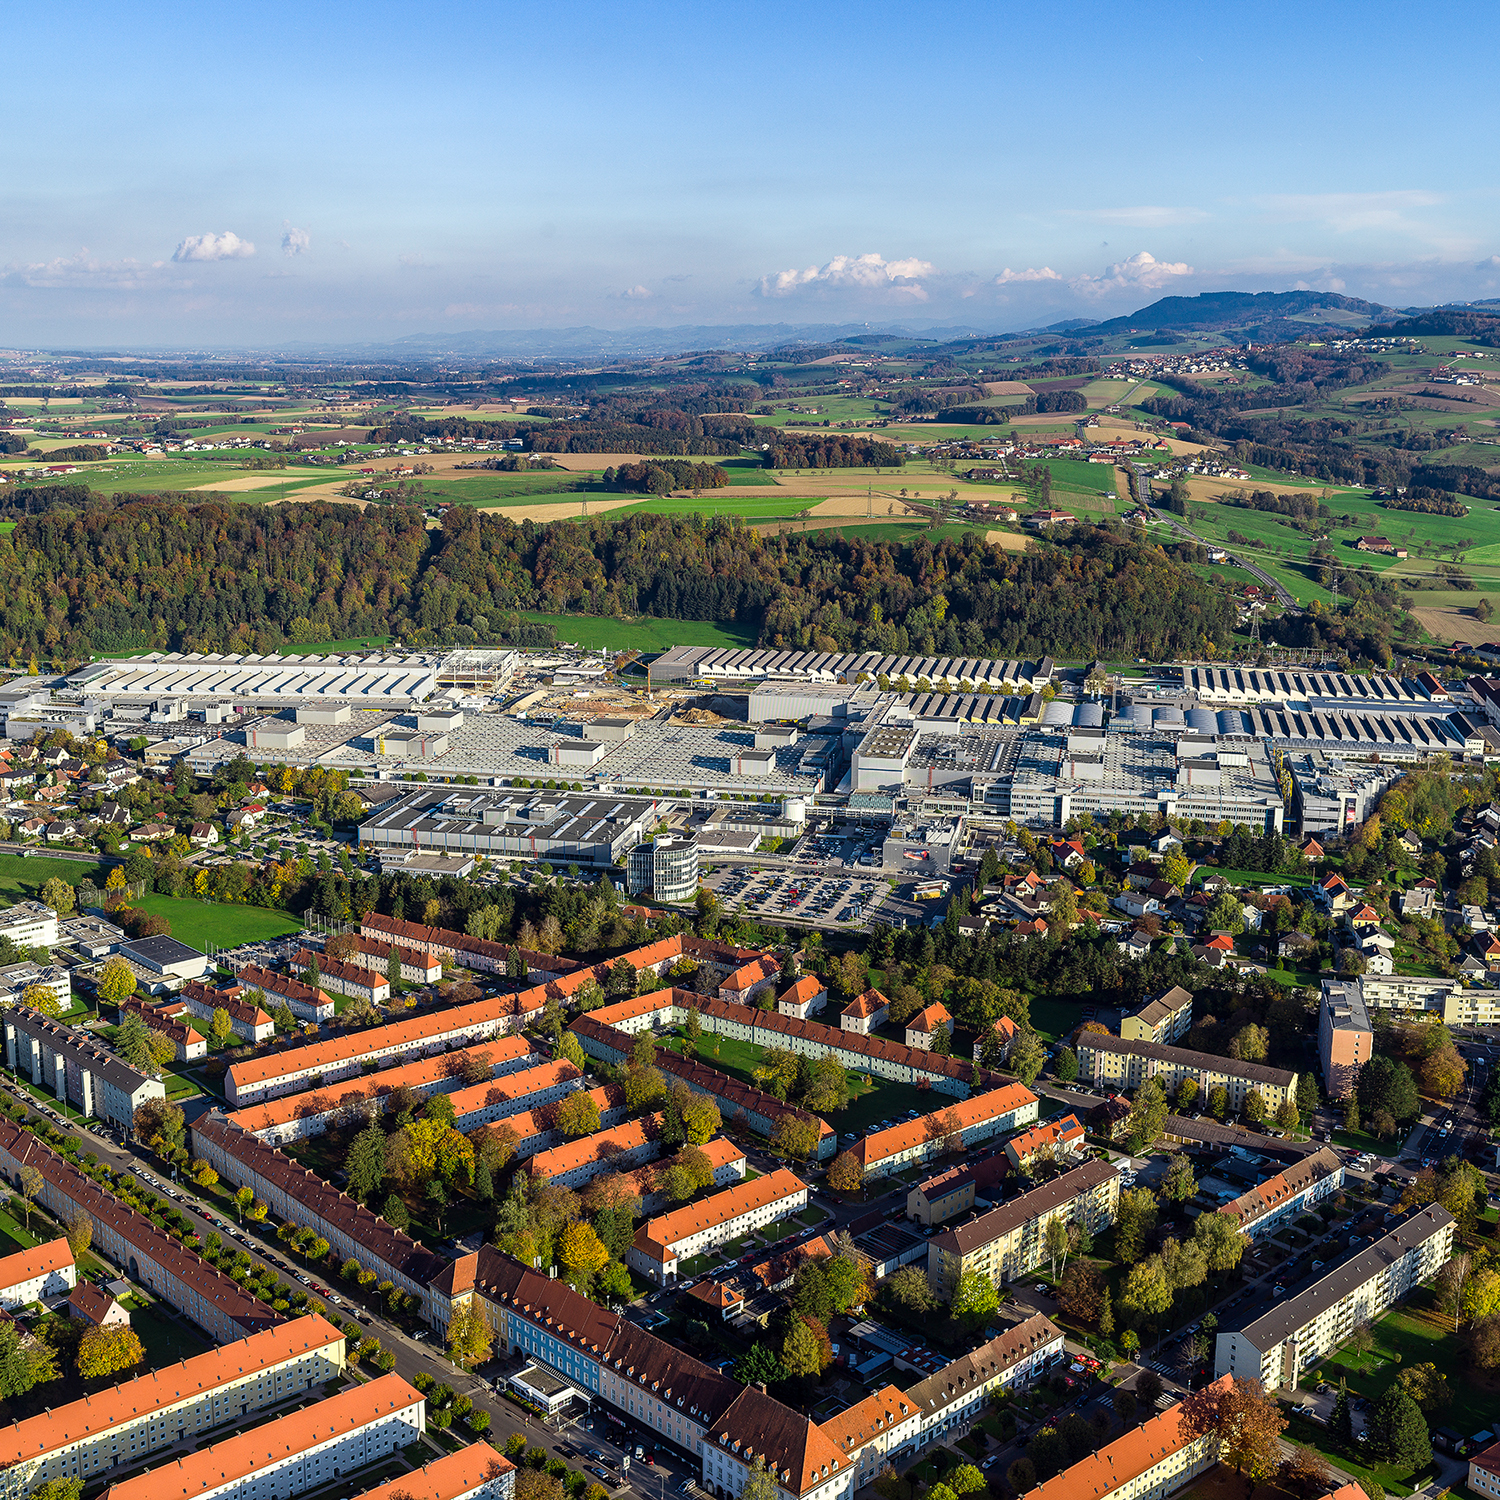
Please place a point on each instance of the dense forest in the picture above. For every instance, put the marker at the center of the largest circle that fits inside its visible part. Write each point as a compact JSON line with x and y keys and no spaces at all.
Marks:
{"x":139,"y":574}
{"x":794,"y":450}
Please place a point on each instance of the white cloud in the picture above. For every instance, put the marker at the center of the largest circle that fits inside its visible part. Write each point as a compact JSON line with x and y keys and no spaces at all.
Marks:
{"x":295,"y":241}
{"x":854,"y":273}
{"x":1142,"y":271}
{"x":226,"y":246}
{"x":636,"y":293}
{"x":1040,"y":273}
{"x":1346,"y":213}
{"x":81,"y":270}
{"x":1492,"y":264}
{"x":414,"y":262}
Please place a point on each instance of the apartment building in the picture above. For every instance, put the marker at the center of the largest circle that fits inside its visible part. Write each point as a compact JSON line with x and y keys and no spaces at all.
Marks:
{"x":345,"y":1056}
{"x":188,"y":1045}
{"x":1003,"y":1031}
{"x":535,"y":1131}
{"x":1146,"y":1463}
{"x":577,"y":1162}
{"x":47,"y":1271}
{"x":475,"y":1472}
{"x":800,"y":1457}
{"x":749,"y":980}
{"x":160,"y":1408}
{"x":1346,"y":1040}
{"x":303,"y":1000}
{"x":291,"y":1117}
{"x":942,"y":1196}
{"x":131,"y":1241}
{"x":864,"y":1013}
{"x":74,"y":1068}
{"x":1008,"y":1241}
{"x":301,"y":1451}
{"x":29,"y":924}
{"x":882,"y":1429}
{"x":1060,"y":1140}
{"x":1484,"y":1471}
{"x":660,"y":1244}
{"x":350,"y":980}
{"x":250,"y":1022}
{"x":1277,"y":1343}
{"x":758,"y":1111}
{"x":1271,"y":1205}
{"x":924,"y":1028}
{"x":1162,"y":1019}
{"x":1114,"y":1063}
{"x":964,"y":1124}
{"x":809,"y":994}
{"x":417,"y":967}
{"x":958,"y":1391}
{"x":299,"y":1196}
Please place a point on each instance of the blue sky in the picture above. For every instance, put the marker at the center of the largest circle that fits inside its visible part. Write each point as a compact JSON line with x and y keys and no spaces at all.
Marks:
{"x":235,"y":175}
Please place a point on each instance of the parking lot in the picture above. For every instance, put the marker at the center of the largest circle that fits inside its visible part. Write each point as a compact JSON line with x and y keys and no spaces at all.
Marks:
{"x":832,"y":899}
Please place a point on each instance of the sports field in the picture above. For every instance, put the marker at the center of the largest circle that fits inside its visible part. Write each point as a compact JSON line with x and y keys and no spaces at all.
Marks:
{"x":22,"y":876}
{"x":206,"y":924}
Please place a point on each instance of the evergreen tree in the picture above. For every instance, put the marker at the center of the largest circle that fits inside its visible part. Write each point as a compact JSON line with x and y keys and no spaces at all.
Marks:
{"x":1398,"y":1430}
{"x":1342,"y":1422}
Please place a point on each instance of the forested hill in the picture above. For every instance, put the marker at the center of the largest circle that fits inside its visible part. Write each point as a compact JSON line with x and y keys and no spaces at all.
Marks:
{"x":146,"y":575}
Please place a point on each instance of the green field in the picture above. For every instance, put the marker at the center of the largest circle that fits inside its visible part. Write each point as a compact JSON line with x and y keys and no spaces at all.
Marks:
{"x":22,"y":876}
{"x":205,"y":924}
{"x":869,"y":1103}
{"x":600,"y":633}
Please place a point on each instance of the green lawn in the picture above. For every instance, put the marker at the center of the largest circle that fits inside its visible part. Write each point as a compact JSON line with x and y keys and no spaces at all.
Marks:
{"x":14,"y":1231}
{"x":1251,"y":877}
{"x":22,"y":876}
{"x":166,"y":1339}
{"x":601,"y":633}
{"x":1053,"y":1019}
{"x":869,"y":1102}
{"x":1397,"y":1481}
{"x":202,"y":924}
{"x":1413,"y":1336}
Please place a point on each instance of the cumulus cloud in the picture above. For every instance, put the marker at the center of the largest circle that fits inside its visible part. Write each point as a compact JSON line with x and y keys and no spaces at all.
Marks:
{"x":636,"y":293}
{"x":1141,"y":272}
{"x":1034,"y":273}
{"x":295,"y":241}
{"x":865,"y":273}
{"x":226,"y":246}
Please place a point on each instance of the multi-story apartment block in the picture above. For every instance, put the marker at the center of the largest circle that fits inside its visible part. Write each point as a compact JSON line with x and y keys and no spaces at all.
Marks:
{"x":535,"y":1130}
{"x":1162,"y":1019}
{"x":299,"y":1196}
{"x":46,"y":1271}
{"x":875,"y":1432}
{"x":1484,"y":1471}
{"x":305,"y":1001}
{"x":660,"y":1244}
{"x":574,"y":1163}
{"x":1059,"y":1139}
{"x":164,"y":1407}
{"x":1146,"y":1463}
{"x":29,"y":924}
{"x":1346,"y":1041}
{"x":1008,"y":1241}
{"x":1274,"y":1203}
{"x":292,"y":1117}
{"x":147,"y":1254}
{"x":475,"y":1472}
{"x":75,"y":1068}
{"x":942,"y":1196}
{"x":346,"y":1056}
{"x":1010,"y":1361}
{"x":250,"y":1022}
{"x":305,"y":1450}
{"x":1450,"y":998}
{"x":1113,"y":1062}
{"x":344,"y":979}
{"x":958,"y":1126}
{"x":1277,"y":1343}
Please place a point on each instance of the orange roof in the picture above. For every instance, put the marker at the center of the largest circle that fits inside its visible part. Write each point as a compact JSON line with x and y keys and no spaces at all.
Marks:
{"x":529,"y":1122}
{"x":1004,"y":1026}
{"x":455,"y":1474}
{"x":27,"y":1265}
{"x":867,"y":1420}
{"x":657,"y":1236}
{"x":258,"y":1117}
{"x":960,"y":1115}
{"x":720,"y":1151}
{"x":632,"y":1006}
{"x":867,"y":1004}
{"x":809,"y":987}
{"x":360,"y":1044}
{"x":568,"y":1157}
{"x":1049,"y":1133}
{"x":1224,"y":943}
{"x":158,"y":1389}
{"x":223,"y":1466}
{"x":1127,"y":1458}
{"x":508,"y":1086}
{"x":762,"y":967}
{"x":796,"y":1451}
{"x":930,"y":1018}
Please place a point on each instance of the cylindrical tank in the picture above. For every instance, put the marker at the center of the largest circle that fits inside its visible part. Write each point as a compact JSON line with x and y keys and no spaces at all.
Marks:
{"x":794,"y":809}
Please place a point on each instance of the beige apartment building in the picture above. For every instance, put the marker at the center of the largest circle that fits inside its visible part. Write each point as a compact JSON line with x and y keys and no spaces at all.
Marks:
{"x":1163,"y":1019}
{"x":1112,"y":1062}
{"x":1008,"y":1241}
